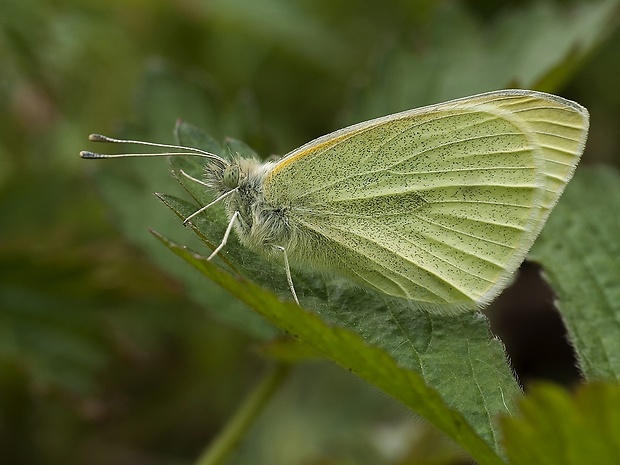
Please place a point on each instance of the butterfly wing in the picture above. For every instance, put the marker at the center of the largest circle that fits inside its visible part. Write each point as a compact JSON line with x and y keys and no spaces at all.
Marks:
{"x":438,"y":204}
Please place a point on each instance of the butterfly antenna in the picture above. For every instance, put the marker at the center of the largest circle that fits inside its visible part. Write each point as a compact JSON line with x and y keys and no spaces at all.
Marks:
{"x":183,"y":151}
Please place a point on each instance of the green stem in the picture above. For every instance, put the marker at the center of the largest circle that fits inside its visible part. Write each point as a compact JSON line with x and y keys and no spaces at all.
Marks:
{"x":226,"y":441}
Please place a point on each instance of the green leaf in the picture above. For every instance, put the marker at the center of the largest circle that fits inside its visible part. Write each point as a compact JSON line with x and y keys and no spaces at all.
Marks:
{"x":351,"y":351}
{"x":457,"y":370}
{"x":580,"y":252}
{"x":553,"y":427}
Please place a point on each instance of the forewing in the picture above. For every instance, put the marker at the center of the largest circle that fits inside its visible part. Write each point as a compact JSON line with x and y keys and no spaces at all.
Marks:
{"x":438,"y":204}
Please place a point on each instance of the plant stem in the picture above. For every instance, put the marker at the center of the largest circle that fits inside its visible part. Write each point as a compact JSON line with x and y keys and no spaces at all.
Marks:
{"x":226,"y":441}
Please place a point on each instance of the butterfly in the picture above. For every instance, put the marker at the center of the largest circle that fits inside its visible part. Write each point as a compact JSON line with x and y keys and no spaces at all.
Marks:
{"x":438,"y":205}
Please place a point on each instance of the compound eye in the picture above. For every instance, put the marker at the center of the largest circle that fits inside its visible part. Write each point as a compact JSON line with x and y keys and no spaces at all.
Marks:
{"x":231,"y":176}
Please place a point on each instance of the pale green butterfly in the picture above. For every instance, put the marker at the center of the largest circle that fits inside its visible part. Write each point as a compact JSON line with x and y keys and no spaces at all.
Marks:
{"x":438,"y":204}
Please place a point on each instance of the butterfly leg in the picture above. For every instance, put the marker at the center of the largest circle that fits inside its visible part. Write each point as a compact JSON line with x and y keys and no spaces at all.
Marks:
{"x":288,"y":273}
{"x":225,"y":238}
{"x":197,"y":212}
{"x":194,"y":179}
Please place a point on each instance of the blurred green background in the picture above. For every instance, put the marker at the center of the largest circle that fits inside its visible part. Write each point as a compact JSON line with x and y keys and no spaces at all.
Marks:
{"x":105,"y":358}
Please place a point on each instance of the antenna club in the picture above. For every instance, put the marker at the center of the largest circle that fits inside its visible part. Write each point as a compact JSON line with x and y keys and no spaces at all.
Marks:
{"x":98,"y":138}
{"x":87,"y":154}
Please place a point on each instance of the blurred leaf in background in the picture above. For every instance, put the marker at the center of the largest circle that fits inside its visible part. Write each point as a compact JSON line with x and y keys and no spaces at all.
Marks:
{"x":109,"y":351}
